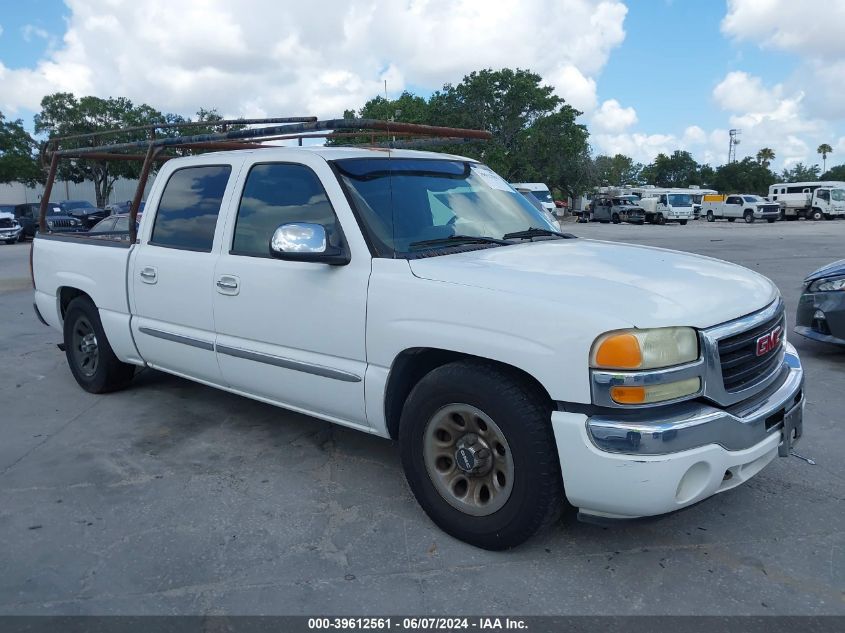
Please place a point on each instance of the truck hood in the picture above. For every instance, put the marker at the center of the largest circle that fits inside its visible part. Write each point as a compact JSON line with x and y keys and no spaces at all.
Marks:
{"x":643,"y":286}
{"x":831,"y":270}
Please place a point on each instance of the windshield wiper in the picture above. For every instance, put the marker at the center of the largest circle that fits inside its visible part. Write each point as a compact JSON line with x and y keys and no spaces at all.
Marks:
{"x":535,"y":231}
{"x":455,"y":239}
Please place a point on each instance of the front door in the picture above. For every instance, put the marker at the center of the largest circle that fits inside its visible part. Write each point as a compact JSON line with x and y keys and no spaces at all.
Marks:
{"x":172,"y":275}
{"x":292,"y":332}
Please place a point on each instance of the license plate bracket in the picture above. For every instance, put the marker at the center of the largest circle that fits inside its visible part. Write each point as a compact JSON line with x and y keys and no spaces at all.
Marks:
{"x":793,"y":428}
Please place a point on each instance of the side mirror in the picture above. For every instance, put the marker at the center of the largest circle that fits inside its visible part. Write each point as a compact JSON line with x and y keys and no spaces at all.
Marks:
{"x":306,"y":242}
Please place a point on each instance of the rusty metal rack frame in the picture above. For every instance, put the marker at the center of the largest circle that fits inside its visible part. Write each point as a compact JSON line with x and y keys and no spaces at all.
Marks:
{"x":289,"y":128}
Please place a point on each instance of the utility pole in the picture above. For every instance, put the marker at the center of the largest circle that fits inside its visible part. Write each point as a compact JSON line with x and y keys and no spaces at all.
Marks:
{"x":732,"y":143}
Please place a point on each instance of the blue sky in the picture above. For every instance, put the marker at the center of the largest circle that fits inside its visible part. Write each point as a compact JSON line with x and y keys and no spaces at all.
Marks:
{"x":650,"y":75}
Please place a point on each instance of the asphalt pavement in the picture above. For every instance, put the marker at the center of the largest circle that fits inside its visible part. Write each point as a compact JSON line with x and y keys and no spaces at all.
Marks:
{"x":174,"y":498}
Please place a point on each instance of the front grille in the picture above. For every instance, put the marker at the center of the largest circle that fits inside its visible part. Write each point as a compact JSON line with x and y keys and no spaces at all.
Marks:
{"x":62,"y":224}
{"x":5,"y":223}
{"x":741,"y":367}
{"x":770,"y":208}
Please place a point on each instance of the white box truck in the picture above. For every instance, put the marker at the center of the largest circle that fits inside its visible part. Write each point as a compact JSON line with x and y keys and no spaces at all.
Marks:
{"x":823,"y":200}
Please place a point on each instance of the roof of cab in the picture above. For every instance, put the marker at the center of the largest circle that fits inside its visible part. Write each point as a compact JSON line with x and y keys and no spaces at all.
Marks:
{"x":333,"y":153}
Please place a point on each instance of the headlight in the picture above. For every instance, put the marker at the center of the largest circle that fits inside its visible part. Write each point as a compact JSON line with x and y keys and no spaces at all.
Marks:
{"x":655,"y":393}
{"x":645,"y":349}
{"x":75,"y":222}
{"x":50,"y":223}
{"x":827,"y":285}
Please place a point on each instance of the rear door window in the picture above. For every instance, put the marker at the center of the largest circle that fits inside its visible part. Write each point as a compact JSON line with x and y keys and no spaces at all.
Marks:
{"x":188,"y":210}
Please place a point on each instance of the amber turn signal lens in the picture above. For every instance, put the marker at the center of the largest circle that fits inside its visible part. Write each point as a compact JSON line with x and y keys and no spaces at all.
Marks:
{"x":621,"y":351}
{"x":628,"y":395}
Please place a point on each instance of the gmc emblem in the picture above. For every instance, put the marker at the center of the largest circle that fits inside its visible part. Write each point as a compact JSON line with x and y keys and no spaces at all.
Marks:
{"x":769,"y":341}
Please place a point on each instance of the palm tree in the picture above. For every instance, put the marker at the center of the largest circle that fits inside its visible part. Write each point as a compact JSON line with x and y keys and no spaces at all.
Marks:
{"x":824,"y":149}
{"x":765,"y":156}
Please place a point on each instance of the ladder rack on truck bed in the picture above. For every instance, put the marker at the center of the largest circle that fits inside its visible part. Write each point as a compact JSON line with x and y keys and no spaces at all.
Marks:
{"x":151,"y":150}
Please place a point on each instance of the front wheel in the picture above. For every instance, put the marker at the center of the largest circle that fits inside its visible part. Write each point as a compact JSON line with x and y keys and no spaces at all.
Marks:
{"x":771,"y":220}
{"x":817,"y":214}
{"x":615,"y":218}
{"x":479,"y":454}
{"x":660,"y":219}
{"x":89,"y":355}
{"x":711,"y":217}
{"x":748,"y":216}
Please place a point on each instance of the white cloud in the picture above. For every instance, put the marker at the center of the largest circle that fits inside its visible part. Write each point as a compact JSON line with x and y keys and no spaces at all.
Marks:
{"x":612,"y":117}
{"x":810,"y":29}
{"x":30,"y":31}
{"x":317,"y":58}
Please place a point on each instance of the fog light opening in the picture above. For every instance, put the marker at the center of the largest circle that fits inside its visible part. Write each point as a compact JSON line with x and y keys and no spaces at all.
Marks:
{"x":693,"y":482}
{"x":727,"y":476}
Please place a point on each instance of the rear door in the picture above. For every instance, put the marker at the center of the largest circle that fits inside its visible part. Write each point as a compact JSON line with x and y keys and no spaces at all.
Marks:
{"x":293,"y":332}
{"x":172,"y":273}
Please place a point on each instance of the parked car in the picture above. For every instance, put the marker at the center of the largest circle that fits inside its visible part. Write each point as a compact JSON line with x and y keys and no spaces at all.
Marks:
{"x":417,"y":296}
{"x":83,"y":211}
{"x":821,"y":309}
{"x":617,"y":209}
{"x":115,"y":227}
{"x":748,"y":207}
{"x":27,"y":216}
{"x":10,"y":229}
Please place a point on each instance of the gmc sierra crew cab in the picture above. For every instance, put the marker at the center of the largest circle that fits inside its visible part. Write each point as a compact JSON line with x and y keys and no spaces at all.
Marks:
{"x":418,"y":296}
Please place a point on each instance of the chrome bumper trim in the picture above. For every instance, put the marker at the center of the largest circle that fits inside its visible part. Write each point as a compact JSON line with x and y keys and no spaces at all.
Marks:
{"x":690,"y":425}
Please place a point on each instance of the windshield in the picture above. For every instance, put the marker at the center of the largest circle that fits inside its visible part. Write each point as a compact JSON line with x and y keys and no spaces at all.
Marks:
{"x":837,"y":194}
{"x":67,"y":205}
{"x":753,"y":199}
{"x":543,"y":195}
{"x":402,"y":201}
{"x":680,"y":200}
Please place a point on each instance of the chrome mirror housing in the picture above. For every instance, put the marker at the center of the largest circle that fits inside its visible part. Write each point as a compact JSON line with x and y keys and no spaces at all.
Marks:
{"x":299,"y":237}
{"x":306,"y":242}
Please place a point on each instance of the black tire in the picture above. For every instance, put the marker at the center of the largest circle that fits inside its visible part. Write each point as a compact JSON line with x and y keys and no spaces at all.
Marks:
{"x":103,"y":372}
{"x":711,"y":217}
{"x":682,"y":222}
{"x":660,"y":219}
{"x":748,"y":216}
{"x":771,"y":220}
{"x":816,"y":214}
{"x":615,"y":218}
{"x":10,"y":241}
{"x":522,"y":414}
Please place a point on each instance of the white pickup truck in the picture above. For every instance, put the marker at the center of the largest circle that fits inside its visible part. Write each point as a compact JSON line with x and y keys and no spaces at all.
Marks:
{"x":747,"y":207}
{"x":417,"y":296}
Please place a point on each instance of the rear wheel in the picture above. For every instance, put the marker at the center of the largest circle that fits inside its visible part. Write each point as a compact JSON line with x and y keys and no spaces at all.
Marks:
{"x":479,"y":454}
{"x":615,"y":218}
{"x":660,"y":219}
{"x":711,"y":217}
{"x":748,"y":216}
{"x":89,"y":355}
{"x":682,"y":222}
{"x":817,"y":214}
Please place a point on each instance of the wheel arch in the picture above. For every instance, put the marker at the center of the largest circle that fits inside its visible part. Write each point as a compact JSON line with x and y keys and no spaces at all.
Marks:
{"x":413,"y":364}
{"x":66,"y":294}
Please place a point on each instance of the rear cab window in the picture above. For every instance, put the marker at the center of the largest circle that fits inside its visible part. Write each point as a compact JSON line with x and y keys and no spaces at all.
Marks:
{"x":187,"y":213}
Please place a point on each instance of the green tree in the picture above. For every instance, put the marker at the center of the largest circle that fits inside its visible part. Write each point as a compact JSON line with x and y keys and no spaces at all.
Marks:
{"x":801,"y":173}
{"x":678,"y":170}
{"x":745,"y":176}
{"x":834,"y":173}
{"x":765,"y":156}
{"x":824,"y":149}
{"x":18,"y":161}
{"x":63,"y":114}
{"x":617,"y":170}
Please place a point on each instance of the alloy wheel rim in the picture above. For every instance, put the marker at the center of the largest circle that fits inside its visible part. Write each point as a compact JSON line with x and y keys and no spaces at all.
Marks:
{"x":468,"y":459}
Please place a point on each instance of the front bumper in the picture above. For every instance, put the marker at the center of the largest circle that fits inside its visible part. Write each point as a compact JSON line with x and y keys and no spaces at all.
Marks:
{"x":830,"y":306}
{"x":658,"y":461}
{"x":11,"y":234}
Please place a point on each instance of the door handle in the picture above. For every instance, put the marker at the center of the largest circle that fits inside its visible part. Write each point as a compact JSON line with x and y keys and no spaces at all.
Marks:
{"x":148,"y":275}
{"x":228,"y":285}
